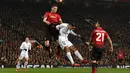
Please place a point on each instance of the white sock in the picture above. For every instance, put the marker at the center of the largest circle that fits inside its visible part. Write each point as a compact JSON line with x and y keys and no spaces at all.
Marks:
{"x":18,"y":65}
{"x":78,"y":55}
{"x":70,"y":57}
{"x":25,"y":64}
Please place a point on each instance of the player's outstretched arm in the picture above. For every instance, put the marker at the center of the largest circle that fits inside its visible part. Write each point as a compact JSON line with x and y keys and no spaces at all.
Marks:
{"x":111,"y":46}
{"x":73,"y":33}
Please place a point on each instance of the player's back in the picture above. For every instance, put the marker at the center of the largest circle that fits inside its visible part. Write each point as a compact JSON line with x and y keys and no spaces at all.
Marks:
{"x":64,"y":31}
{"x":98,"y":36}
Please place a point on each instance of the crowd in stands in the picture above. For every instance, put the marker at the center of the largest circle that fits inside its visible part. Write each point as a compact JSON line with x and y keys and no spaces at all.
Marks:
{"x":20,"y":21}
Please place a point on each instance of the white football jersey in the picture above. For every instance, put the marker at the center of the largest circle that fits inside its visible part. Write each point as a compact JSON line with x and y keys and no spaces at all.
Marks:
{"x":64,"y":31}
{"x":26,"y":46}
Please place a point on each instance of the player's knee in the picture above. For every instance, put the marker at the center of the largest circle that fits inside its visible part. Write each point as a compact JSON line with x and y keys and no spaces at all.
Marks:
{"x":26,"y":60}
{"x":73,"y":48}
{"x":18,"y":59}
{"x":67,"y":49}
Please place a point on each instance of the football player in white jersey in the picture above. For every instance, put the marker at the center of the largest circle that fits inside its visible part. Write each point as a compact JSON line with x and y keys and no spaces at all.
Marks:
{"x":65,"y":29}
{"x":25,"y":47}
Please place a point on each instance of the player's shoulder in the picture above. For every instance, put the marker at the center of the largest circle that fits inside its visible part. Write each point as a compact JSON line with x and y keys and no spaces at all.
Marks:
{"x":29,"y":43}
{"x":47,"y":12}
{"x":64,"y":24}
{"x":23,"y":42}
{"x":57,"y":14}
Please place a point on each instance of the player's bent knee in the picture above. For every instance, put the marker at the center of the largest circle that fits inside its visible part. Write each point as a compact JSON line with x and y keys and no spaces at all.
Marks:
{"x":67,"y":49}
{"x":26,"y":59}
{"x":73,"y":48}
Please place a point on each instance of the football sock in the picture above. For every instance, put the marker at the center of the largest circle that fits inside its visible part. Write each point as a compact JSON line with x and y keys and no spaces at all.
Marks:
{"x":25,"y":64}
{"x":18,"y":65}
{"x":78,"y":55}
{"x":93,"y":68}
{"x":70,"y":57}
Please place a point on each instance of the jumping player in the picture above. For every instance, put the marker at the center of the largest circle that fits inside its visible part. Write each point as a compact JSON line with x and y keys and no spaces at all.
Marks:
{"x":25,"y":47}
{"x":97,"y":39}
{"x":64,"y":30}
{"x":52,"y":19}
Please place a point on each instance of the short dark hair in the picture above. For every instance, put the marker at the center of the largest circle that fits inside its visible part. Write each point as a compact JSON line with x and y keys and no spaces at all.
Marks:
{"x":54,"y":5}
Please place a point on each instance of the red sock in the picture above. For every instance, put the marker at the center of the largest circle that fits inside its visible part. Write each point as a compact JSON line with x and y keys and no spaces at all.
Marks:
{"x":94,"y":70}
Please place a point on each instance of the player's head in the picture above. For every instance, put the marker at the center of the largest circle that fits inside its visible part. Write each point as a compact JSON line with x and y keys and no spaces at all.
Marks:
{"x":27,"y":39}
{"x":54,"y":9}
{"x":71,"y":26}
{"x":96,"y":24}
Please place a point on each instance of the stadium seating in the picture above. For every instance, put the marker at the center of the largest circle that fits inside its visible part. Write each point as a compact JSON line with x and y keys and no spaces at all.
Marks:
{"x":16,"y":22}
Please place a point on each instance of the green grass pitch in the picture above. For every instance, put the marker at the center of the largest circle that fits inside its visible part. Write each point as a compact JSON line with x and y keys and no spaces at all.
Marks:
{"x":65,"y":70}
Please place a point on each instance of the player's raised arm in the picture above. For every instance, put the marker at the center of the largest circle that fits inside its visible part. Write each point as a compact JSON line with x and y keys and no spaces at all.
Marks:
{"x":73,"y":33}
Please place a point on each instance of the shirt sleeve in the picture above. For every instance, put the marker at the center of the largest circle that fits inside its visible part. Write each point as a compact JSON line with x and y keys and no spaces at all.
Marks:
{"x":30,"y":46}
{"x":106,"y":35}
{"x":46,"y":15}
{"x":22,"y":46}
{"x":72,"y":32}
{"x":61,"y":25}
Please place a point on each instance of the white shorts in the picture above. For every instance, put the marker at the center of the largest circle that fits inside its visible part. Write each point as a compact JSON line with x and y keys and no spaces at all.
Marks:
{"x":64,"y":43}
{"x":24,"y":54}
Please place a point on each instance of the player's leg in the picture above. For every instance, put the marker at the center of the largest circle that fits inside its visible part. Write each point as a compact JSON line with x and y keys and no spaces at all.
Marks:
{"x":18,"y":61}
{"x":76,"y":52}
{"x":25,"y":62}
{"x":64,"y":45}
{"x":94,"y":59}
{"x":18,"y":64}
{"x":55,"y":34}
{"x":120,"y":62}
{"x":48,"y":40}
{"x":58,"y":49}
{"x":98,"y":56}
{"x":47,"y":47}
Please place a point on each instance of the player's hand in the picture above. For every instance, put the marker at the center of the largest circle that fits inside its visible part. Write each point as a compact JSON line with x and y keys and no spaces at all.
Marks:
{"x":48,"y":23}
{"x":78,"y":35}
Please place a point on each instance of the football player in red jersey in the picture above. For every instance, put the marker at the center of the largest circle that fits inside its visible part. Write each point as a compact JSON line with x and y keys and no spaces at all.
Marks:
{"x":97,"y":40}
{"x":52,"y":19}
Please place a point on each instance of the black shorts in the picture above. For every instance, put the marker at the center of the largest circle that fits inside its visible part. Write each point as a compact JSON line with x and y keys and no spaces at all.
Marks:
{"x":97,"y":53}
{"x":52,"y":33}
{"x":120,"y":60}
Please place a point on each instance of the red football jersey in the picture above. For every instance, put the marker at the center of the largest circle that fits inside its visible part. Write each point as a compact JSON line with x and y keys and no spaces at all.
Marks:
{"x":53,"y":18}
{"x":120,"y":55}
{"x":98,"y":35}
